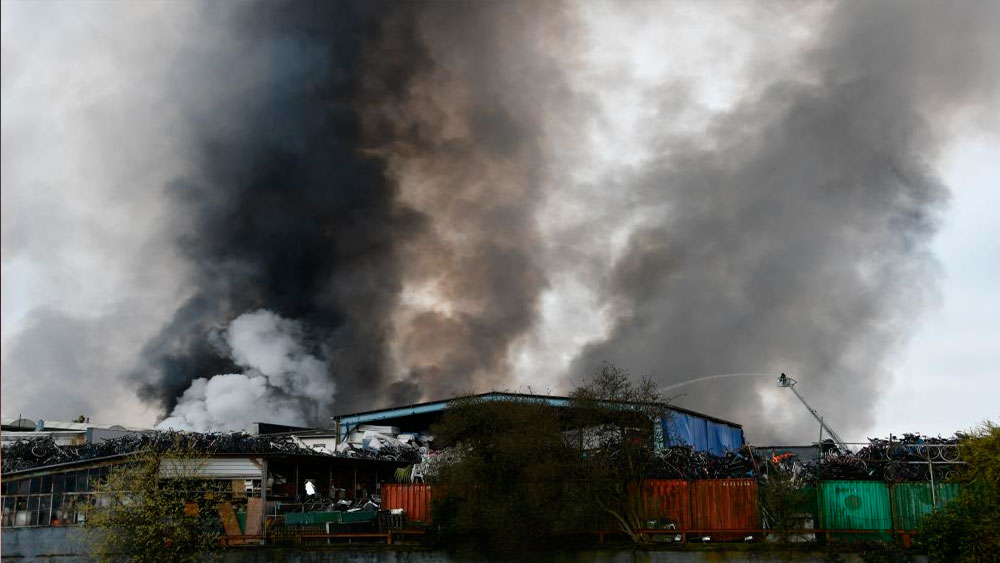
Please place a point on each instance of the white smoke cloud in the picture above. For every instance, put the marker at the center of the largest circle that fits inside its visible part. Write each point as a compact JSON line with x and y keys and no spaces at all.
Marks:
{"x":282,"y":382}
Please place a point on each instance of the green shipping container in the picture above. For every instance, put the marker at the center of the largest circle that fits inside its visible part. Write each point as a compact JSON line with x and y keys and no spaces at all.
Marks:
{"x":311,"y":518}
{"x":855,"y":505}
{"x":336,"y":517}
{"x":912,"y":501}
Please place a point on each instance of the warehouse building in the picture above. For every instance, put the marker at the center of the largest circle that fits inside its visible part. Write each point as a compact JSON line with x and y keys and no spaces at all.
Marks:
{"x":679,"y":427}
{"x":341,"y":462}
{"x":262,"y":484}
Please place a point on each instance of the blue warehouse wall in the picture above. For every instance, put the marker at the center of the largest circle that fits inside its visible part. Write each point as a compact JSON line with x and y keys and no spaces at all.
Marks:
{"x":682,"y":429}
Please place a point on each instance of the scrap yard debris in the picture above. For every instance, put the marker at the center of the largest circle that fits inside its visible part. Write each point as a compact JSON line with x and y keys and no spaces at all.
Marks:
{"x":910,"y":458}
{"x":43,"y":451}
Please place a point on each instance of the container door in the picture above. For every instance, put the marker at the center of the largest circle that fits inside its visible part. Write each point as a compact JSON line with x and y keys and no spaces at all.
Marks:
{"x":855,"y":507}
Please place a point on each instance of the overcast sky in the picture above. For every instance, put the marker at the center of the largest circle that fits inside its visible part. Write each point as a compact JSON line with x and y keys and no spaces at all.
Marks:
{"x":92,"y":132}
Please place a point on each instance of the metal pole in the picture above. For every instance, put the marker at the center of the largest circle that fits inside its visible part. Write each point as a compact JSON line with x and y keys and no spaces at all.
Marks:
{"x":263,"y":499}
{"x":930,"y":465}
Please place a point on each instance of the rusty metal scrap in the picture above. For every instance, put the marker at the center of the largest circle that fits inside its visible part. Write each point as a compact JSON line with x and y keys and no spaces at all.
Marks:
{"x":42,"y":452}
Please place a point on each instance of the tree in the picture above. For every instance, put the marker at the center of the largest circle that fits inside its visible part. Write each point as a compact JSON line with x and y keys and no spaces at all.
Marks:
{"x":785,"y":500}
{"x":155,"y":507}
{"x":525,"y":471}
{"x":618,"y":420}
{"x":968,"y":529}
{"x":504,"y":492}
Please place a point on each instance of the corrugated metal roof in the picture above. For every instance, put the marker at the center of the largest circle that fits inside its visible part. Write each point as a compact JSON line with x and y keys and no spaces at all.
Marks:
{"x":99,"y":435}
{"x":61,"y":425}
{"x":433,"y":406}
{"x":61,"y":437}
{"x":681,"y":426}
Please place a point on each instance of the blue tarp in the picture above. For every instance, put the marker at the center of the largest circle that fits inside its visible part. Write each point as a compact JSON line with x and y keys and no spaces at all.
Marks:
{"x":682,"y":429}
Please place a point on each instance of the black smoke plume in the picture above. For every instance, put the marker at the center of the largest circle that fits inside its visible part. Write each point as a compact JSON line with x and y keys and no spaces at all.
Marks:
{"x":388,"y":143}
{"x":289,"y":211}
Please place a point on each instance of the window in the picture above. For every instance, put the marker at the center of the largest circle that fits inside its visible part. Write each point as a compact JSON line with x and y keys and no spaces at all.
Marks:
{"x":33,"y":502}
{"x":44,"y":510}
{"x":49,"y":500}
{"x":8,"y":511}
{"x":20,"y":511}
{"x":57,"y":515}
{"x":81,"y":481}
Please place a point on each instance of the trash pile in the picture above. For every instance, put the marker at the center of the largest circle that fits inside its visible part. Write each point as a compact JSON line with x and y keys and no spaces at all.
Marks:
{"x":684,"y":462}
{"x":41,"y":452}
{"x":317,"y":503}
{"x":383,"y":442}
{"x":909,"y":458}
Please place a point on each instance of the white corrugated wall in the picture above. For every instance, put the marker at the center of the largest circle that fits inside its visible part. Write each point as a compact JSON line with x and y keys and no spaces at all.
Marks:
{"x":212,"y":468}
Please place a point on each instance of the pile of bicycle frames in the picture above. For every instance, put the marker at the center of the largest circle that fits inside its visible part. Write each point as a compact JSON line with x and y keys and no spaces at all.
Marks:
{"x":43,"y":451}
{"x":910,"y":458}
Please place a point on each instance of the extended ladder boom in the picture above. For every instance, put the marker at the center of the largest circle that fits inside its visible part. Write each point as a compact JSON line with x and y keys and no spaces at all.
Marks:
{"x":785,"y":381}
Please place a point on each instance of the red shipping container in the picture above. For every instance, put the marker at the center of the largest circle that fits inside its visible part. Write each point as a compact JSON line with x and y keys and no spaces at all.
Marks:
{"x":667,"y":500}
{"x":414,"y":499}
{"x":725,"y":504}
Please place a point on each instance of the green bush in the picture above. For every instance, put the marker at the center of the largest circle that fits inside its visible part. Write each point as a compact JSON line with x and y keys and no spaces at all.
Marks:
{"x":505,"y":492}
{"x":141,"y":516}
{"x":968,"y":529}
{"x":527,"y":472}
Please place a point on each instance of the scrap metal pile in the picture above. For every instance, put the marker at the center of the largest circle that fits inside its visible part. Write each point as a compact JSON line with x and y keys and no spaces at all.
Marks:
{"x":384,"y":442}
{"x":909,"y":458}
{"x":41,"y":452}
{"x":684,"y":462}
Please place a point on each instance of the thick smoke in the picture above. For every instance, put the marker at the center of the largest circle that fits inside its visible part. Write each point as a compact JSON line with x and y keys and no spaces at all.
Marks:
{"x":93,"y":127}
{"x":288,"y":211}
{"x":281,"y":383}
{"x":416,"y":199}
{"x":472,"y":154}
{"x":793,"y":235}
{"x":389,"y":150}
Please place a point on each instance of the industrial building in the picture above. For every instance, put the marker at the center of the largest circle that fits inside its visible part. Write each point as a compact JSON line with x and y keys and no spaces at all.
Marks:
{"x":352,"y":460}
{"x":77,"y":432}
{"x":263,"y":483}
{"x":680,"y":427}
{"x":278,"y":481}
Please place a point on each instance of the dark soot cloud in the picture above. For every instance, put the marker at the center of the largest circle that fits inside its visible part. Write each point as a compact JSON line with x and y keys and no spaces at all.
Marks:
{"x":289,"y":212}
{"x":297,"y":206}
